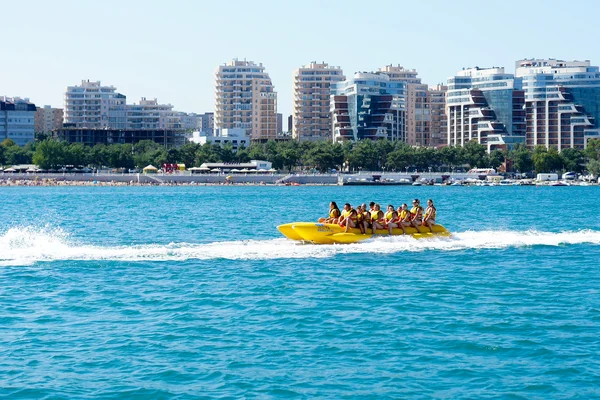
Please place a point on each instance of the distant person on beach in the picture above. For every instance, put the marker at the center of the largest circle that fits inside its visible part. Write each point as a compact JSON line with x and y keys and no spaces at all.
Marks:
{"x":430,"y":214}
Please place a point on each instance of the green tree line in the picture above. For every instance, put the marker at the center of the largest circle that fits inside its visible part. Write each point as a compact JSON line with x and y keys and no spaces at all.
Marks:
{"x":291,"y":155}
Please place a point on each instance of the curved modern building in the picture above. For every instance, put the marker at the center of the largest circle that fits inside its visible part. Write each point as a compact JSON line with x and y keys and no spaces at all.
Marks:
{"x":562,"y":102}
{"x":487,"y":105}
{"x":368,"y":106}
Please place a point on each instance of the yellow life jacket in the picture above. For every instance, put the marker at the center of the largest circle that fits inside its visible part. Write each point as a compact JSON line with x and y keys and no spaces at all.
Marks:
{"x":375,"y":215}
{"x":366,"y":216}
{"x":389,"y":215}
{"x":403,"y":215}
{"x":430,"y":212}
{"x":418,"y":211}
{"x":334,"y":213}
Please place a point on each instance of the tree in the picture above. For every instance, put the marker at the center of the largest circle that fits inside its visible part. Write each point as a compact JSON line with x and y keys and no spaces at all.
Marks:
{"x":593,"y":167}
{"x":592,"y":150}
{"x":49,"y":154}
{"x":496,"y":158}
{"x":546,"y":160}
{"x":474,"y":154}
{"x":572,"y":159}
{"x":522,"y":158}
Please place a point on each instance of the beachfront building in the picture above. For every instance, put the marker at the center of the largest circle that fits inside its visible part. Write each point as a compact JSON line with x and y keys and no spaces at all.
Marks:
{"x":47,"y":119}
{"x":487,"y":105}
{"x":311,"y":113}
{"x":150,"y":114}
{"x":245,"y":98}
{"x":92,"y":105}
{"x":17,"y":120}
{"x":562,"y":100}
{"x":368,"y":106}
{"x":236,"y":137}
{"x":423,"y":115}
{"x":436,"y":99}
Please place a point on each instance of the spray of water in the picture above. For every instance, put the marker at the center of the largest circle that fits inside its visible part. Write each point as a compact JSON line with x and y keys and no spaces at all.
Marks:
{"x":29,"y":245}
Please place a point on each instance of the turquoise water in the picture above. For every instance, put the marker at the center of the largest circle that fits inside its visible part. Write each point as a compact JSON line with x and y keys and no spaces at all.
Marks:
{"x":191,"y":292}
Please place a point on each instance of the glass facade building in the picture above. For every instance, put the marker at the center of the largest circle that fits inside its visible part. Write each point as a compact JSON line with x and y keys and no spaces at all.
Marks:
{"x":562,"y":102}
{"x":487,"y":105}
{"x":368,"y":106}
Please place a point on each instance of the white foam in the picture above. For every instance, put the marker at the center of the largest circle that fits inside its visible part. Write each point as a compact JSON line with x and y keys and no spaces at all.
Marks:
{"x":28,"y":245}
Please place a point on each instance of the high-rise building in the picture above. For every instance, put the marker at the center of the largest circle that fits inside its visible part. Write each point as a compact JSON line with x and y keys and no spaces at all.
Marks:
{"x":487,"y":105}
{"x":245,"y":98}
{"x":48,"y":119}
{"x":17,"y":120}
{"x":279,"y":123}
{"x":562,"y":101}
{"x":368,"y":106}
{"x":90,"y":106}
{"x":420,"y":103}
{"x":208,"y":123}
{"x":311,"y":101}
{"x":436,"y":96}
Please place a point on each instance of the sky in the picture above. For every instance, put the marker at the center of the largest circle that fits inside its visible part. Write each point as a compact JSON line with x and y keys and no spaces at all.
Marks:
{"x":170,"y":49}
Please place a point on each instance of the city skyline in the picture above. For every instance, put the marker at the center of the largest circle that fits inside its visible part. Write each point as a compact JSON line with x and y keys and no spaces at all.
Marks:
{"x":170,"y":53}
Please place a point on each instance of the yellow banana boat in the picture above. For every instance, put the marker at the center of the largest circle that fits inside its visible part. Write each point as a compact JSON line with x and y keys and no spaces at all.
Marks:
{"x":333,"y":233}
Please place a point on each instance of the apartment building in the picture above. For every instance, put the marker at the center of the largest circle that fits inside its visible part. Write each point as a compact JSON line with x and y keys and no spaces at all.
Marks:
{"x":562,"y":100}
{"x":48,"y":118}
{"x":91,"y":105}
{"x":17,"y":120}
{"x":245,"y":98}
{"x":487,"y":105}
{"x":311,"y":110}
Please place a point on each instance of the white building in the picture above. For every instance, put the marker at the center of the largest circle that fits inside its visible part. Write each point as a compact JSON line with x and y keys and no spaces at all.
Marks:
{"x":311,"y":101}
{"x":149,"y":114}
{"x":236,"y":137}
{"x":17,"y":120}
{"x":91,"y":105}
{"x":245,"y":98}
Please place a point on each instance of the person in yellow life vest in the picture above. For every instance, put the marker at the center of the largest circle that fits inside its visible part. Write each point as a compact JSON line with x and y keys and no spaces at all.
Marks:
{"x":404,"y":217}
{"x":360,"y":219}
{"x":429,"y":216}
{"x":377,"y":219}
{"x":416,"y":215}
{"x":391,"y":218}
{"x":334,"y":214}
{"x":366,"y":220}
{"x":349,"y":217}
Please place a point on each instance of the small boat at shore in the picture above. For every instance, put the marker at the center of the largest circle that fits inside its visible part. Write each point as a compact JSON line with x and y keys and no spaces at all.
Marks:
{"x":333,"y":233}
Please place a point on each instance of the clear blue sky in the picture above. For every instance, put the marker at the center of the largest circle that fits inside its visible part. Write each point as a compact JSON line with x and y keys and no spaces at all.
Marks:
{"x":170,"y":49}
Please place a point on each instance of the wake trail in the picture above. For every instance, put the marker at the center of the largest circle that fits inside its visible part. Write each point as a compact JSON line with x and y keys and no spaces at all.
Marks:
{"x":29,"y":245}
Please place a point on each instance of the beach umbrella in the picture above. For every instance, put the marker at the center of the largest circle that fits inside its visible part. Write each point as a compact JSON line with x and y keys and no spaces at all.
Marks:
{"x":215,"y":170}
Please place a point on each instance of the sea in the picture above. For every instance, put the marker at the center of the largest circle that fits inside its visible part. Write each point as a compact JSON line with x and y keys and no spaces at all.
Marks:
{"x":191,"y":292}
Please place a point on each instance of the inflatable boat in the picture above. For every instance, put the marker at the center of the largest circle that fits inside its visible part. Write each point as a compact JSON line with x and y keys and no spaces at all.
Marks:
{"x":333,"y":233}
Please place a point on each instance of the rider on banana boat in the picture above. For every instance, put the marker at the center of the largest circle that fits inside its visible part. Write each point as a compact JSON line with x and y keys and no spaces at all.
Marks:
{"x":391,"y":218}
{"x":349,"y":217}
{"x":417,"y":215}
{"x":404,"y":217}
{"x":360,"y":219}
{"x":334,"y":214}
{"x":377,"y":219}
{"x":366,"y":220}
{"x":430,"y":214}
